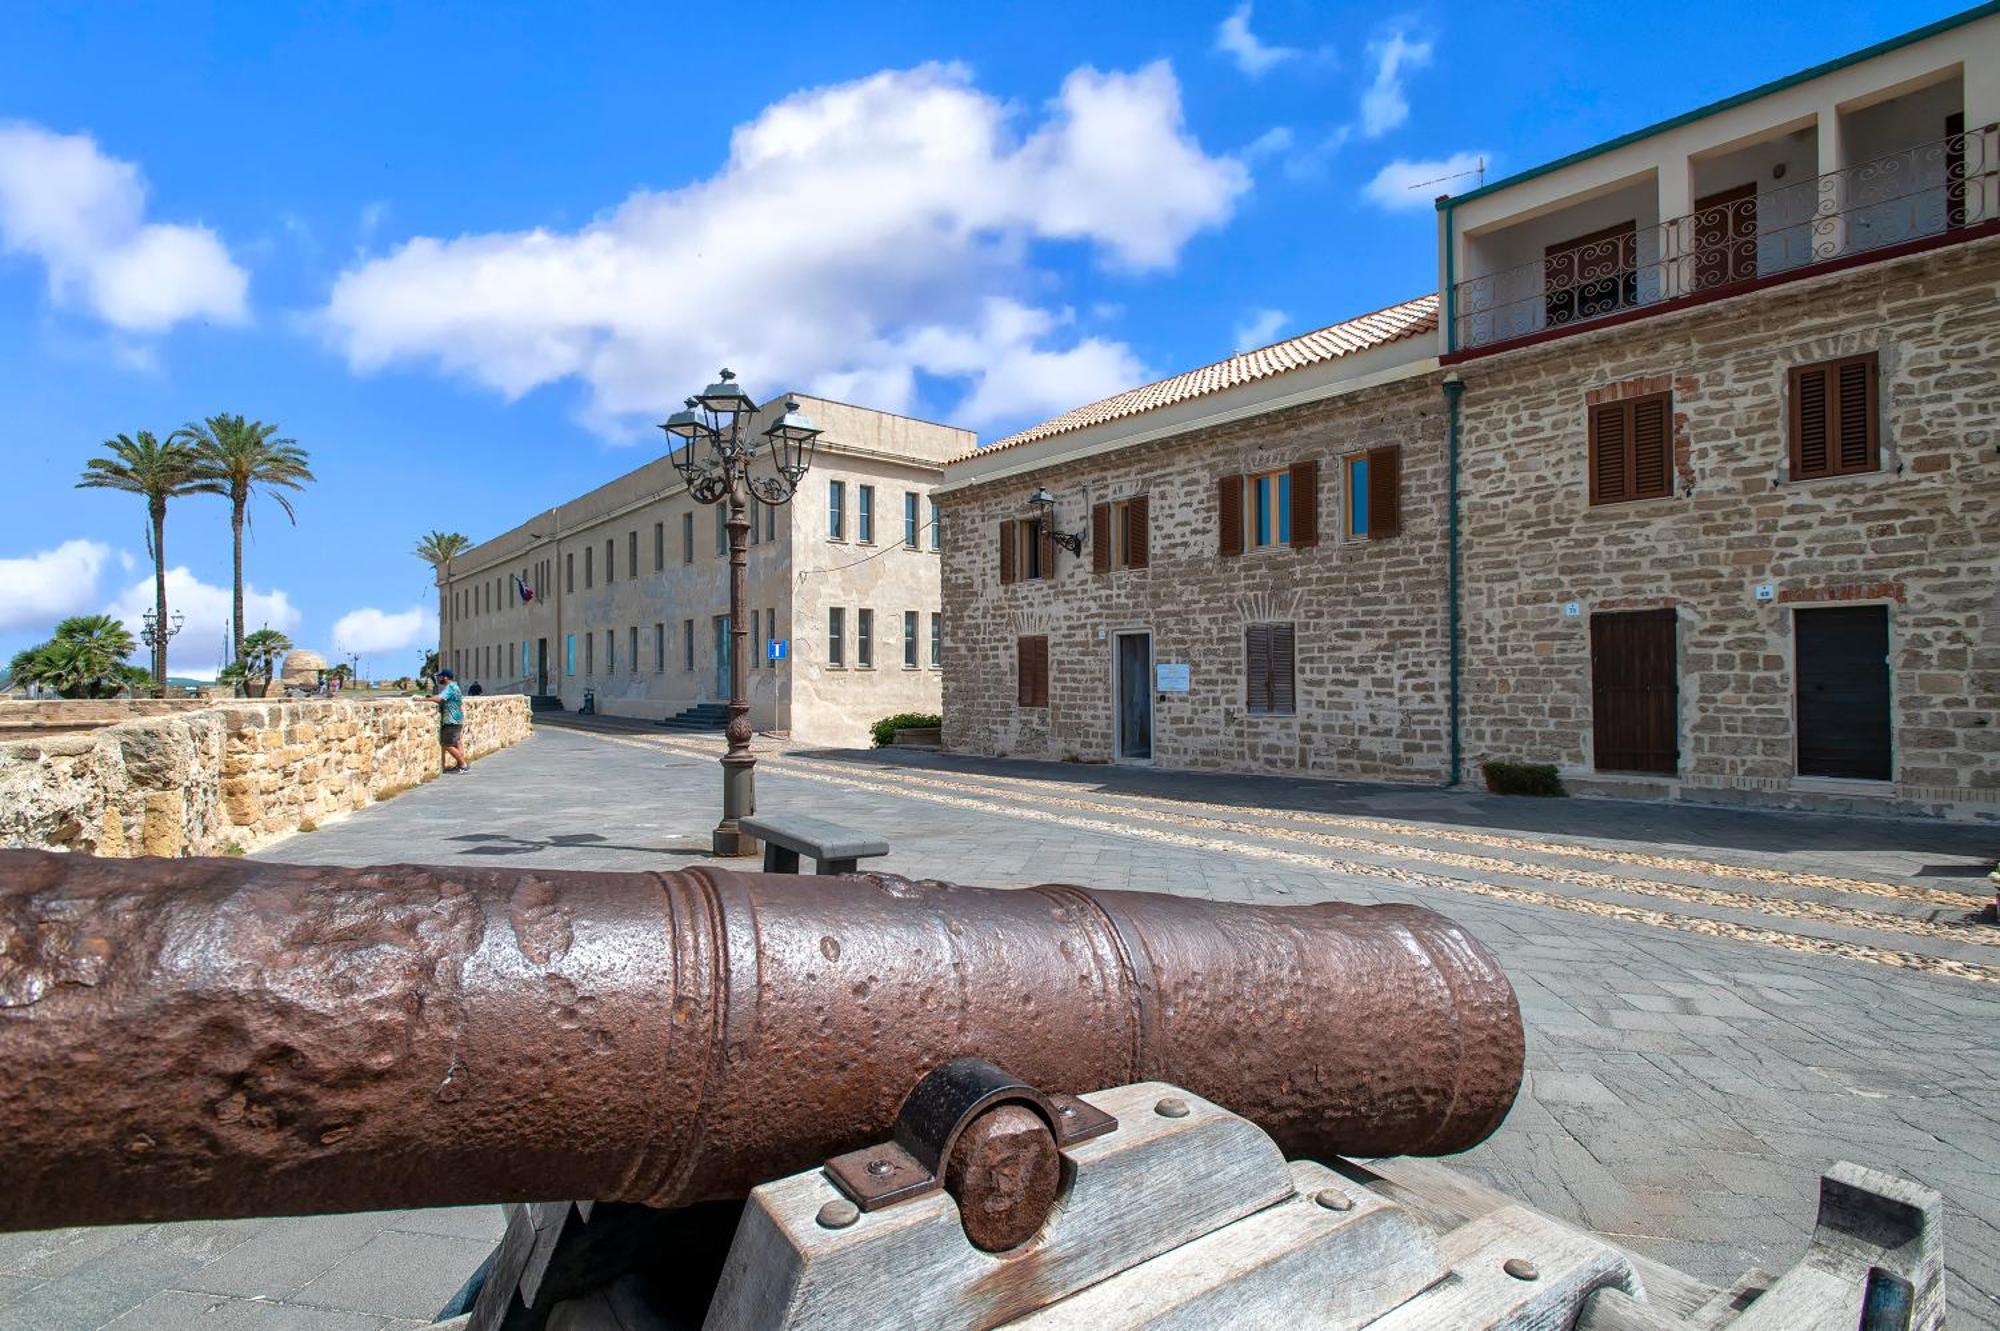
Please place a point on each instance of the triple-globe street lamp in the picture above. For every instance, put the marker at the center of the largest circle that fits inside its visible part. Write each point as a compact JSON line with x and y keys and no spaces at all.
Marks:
{"x":713,"y":447}
{"x":155,"y":635}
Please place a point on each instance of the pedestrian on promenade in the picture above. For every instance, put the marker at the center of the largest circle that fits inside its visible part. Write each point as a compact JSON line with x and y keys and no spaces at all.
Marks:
{"x":451,"y":719}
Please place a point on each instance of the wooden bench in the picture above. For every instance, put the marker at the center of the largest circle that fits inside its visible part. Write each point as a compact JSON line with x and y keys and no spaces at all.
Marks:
{"x":835,"y":849}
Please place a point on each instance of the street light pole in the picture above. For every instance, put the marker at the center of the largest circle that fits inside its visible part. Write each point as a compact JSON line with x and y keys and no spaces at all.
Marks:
{"x":711,"y":449}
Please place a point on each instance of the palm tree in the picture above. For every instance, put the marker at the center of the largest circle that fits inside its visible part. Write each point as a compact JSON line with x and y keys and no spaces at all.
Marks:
{"x":438,"y":549}
{"x":85,"y":659}
{"x":261,"y":651}
{"x":236,"y":457}
{"x":145,"y":466}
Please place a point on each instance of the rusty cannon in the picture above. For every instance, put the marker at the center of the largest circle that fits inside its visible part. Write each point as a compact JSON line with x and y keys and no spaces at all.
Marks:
{"x":778,"y":1102}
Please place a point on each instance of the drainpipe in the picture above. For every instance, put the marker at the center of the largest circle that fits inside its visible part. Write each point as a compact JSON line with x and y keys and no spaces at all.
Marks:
{"x":1454,"y":388}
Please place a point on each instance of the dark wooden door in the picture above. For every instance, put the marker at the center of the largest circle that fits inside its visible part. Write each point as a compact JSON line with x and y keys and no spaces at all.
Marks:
{"x":1635,"y":692}
{"x":1842,"y":667}
{"x":1135,"y":695}
{"x":541,"y":665}
{"x":1725,"y":237}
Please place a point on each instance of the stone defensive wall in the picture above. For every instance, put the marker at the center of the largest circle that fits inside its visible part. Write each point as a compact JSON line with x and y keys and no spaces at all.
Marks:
{"x":224,"y":777}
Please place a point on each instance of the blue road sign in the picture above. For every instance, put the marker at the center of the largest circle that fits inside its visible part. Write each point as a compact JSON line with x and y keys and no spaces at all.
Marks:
{"x":778,"y":649}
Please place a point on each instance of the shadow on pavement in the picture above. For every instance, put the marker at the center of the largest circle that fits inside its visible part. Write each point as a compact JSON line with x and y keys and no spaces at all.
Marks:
{"x":506,"y":843}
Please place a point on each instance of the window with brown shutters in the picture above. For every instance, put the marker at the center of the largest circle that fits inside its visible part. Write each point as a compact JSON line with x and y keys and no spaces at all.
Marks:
{"x":1031,"y":671}
{"x":1305,"y":504}
{"x":1137,"y":532}
{"x":1229,"y":515}
{"x":1119,"y":534}
{"x":1375,"y":493}
{"x":1269,"y":509}
{"x":1270,"y":671}
{"x":1100,"y":538}
{"x":1027,"y":550}
{"x":1834,"y":424}
{"x":1631,"y":449}
{"x":1007,"y":539}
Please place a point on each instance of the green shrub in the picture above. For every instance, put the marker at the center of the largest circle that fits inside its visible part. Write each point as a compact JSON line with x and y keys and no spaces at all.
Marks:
{"x":1522,"y":778}
{"x":885,"y":730}
{"x":234,"y":849}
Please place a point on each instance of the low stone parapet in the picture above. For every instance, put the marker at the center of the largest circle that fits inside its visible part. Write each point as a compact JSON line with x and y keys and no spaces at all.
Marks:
{"x":228,"y":777}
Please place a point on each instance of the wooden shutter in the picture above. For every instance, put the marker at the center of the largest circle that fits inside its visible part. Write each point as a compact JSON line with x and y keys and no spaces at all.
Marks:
{"x":1385,"y":492}
{"x":1283,"y":670}
{"x":1257,"y":668}
{"x":1834,"y":429}
{"x":1138,"y":533}
{"x":1229,"y":514}
{"x":1006,"y":553}
{"x":1100,"y":538}
{"x":1305,"y":504}
{"x":1031,"y":671}
{"x":1631,"y":450}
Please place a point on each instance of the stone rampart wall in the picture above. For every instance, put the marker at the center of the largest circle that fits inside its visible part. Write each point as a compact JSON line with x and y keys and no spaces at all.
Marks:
{"x":235,"y":775}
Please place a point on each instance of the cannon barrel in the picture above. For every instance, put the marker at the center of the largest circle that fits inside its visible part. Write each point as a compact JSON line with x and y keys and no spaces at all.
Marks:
{"x":184,"y":1039}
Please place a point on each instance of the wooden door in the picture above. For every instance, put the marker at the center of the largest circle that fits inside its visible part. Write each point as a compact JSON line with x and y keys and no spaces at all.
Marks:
{"x":1635,"y":692}
{"x":1135,"y":695}
{"x":1591,"y":275}
{"x":1725,"y":237}
{"x":1841,"y":665}
{"x":541,"y":665}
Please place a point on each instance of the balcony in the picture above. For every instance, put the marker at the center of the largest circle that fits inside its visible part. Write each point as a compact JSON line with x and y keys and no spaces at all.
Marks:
{"x":1735,"y":242}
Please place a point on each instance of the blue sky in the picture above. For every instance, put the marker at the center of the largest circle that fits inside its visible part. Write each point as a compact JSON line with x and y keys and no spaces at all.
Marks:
{"x":464,"y":254}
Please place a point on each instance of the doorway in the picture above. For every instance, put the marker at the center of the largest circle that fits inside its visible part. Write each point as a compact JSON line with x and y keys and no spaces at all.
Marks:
{"x":1725,"y":237}
{"x":722,"y":646}
{"x":1635,"y":692}
{"x":1135,"y":697}
{"x":1841,"y":664}
{"x":541,"y":665}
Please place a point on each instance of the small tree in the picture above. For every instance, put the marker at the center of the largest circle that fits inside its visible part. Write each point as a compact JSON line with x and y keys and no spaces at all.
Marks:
{"x":428,"y":676}
{"x":85,"y":659}
{"x":261,"y":652}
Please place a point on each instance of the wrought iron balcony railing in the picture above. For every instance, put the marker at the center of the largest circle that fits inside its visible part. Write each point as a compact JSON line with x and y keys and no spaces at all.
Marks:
{"x":1916,"y":194}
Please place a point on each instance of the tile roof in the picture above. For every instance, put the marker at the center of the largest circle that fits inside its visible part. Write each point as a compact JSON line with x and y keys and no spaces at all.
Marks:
{"x":1409,"y":319}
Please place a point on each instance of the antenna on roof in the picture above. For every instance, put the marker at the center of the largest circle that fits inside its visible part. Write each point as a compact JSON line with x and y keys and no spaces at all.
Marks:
{"x":1479,"y":171}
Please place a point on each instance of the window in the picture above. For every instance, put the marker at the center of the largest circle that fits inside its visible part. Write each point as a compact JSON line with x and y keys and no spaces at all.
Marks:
{"x":770,"y":634}
{"x":1834,"y":424}
{"x":1268,"y":510}
{"x":610,"y":651}
{"x":936,"y":526}
{"x":910,"y":638}
{"x":610,"y":548}
{"x":569,"y":654}
{"x":524,"y":658}
{"x":1118,"y":534}
{"x":589,"y":652}
{"x":722,"y":529}
{"x":864,"y":639}
{"x":687,"y":644}
{"x":1630,"y":457}
{"x":1591,"y":275}
{"x":687,"y":537}
{"x":756,"y":524}
{"x":1027,"y":550}
{"x":836,"y":510}
{"x":910,"y":533}
{"x":836,"y":629}
{"x":632,"y":554}
{"x":864,"y":515}
{"x":770,"y":522}
{"x":1374,"y":493}
{"x":632,"y":646}
{"x":659,"y":546}
{"x":756,"y":637}
{"x":1268,"y":670}
{"x":937,"y":639}
{"x":659,"y":649}
{"x":588,"y":565}
{"x":569,"y":571}
{"x":1031,"y":672}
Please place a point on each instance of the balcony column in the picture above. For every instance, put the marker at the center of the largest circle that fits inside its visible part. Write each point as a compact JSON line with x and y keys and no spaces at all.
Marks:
{"x":1675,"y":189}
{"x":1827,"y":231}
{"x":1982,"y":140}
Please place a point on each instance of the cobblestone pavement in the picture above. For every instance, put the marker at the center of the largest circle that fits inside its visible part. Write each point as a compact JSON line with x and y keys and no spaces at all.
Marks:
{"x":1719,"y":1004}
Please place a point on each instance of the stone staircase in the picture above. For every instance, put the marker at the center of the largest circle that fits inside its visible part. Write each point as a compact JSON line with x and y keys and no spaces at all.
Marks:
{"x":544,"y":702}
{"x":705,"y":717}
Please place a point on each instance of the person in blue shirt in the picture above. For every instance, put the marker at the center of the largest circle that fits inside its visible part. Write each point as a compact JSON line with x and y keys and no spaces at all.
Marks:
{"x":451,"y":718}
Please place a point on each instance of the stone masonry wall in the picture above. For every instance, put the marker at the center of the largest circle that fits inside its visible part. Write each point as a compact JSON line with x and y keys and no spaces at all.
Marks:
{"x":1921,"y":535}
{"x":1370,"y":616}
{"x":239,"y":774}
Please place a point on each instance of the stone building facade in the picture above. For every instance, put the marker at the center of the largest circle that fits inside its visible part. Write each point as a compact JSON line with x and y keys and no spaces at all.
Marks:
{"x":1360,"y":616}
{"x":630,"y":588}
{"x":1741,"y":547}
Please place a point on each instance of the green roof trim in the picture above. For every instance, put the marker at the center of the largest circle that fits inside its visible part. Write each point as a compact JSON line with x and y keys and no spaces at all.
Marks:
{"x":1972,"y":15}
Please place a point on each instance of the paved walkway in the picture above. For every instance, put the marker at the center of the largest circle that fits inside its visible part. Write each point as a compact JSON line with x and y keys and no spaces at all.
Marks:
{"x":1719,"y":1004}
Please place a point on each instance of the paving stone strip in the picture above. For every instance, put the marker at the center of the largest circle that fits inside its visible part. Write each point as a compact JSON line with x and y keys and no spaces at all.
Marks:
{"x":1714,"y":928}
{"x":1566,"y":849}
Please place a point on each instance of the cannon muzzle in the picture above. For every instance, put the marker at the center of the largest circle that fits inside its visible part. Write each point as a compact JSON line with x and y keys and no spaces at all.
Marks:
{"x":184,"y":1039}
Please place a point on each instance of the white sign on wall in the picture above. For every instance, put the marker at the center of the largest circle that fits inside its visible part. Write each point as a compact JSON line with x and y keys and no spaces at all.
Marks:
{"x":1171,"y":676}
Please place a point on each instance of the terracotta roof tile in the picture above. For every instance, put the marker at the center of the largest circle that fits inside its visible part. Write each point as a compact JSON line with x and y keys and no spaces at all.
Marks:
{"x":1409,"y":319}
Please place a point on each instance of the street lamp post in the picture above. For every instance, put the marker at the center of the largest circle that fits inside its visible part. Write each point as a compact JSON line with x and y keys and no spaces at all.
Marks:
{"x":156,"y":635}
{"x":711,"y":446}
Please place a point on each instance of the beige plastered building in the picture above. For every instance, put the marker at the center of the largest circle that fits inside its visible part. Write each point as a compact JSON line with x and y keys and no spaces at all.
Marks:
{"x":631,"y":590}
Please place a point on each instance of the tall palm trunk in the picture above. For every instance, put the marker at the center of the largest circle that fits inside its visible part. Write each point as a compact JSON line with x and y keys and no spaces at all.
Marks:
{"x":159,"y":508}
{"x":239,"y":500}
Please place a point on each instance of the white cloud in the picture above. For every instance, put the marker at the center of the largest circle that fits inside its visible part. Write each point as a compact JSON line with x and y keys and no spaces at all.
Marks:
{"x":850,"y":226}
{"x":202,"y":644}
{"x":83,"y":216}
{"x":370,"y":630}
{"x":1259,"y":328}
{"x":1252,"y":55}
{"x":39,"y":589}
{"x":1383,"y":104}
{"x":1415,"y":185}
